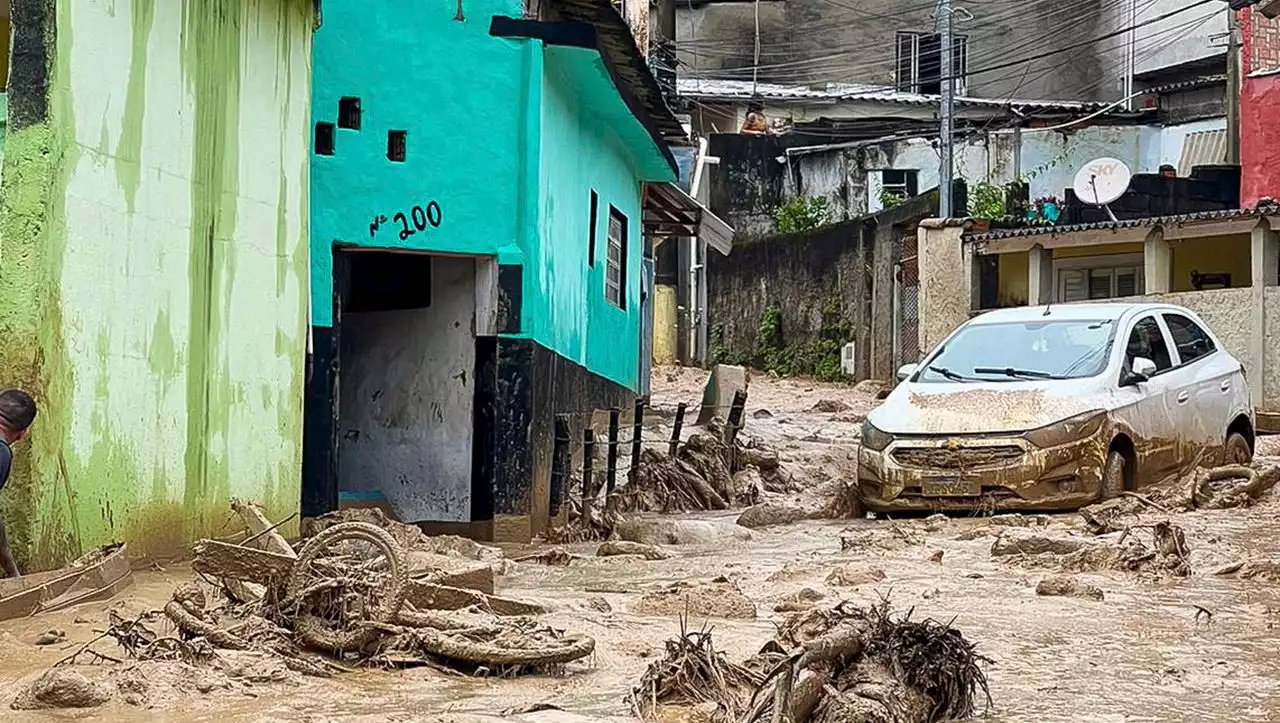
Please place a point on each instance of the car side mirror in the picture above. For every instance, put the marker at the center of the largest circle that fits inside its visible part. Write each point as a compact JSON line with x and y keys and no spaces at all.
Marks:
{"x":1140,"y":370}
{"x":906,"y":370}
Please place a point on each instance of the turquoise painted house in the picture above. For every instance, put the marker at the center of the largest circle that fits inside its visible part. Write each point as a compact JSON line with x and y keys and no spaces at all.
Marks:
{"x":480,"y":179}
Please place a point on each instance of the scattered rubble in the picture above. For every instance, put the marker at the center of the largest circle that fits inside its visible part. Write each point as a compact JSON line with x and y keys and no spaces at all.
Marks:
{"x":347,"y":597}
{"x":662,"y":531}
{"x":853,"y":576}
{"x":766,"y":514}
{"x":59,"y":688}
{"x":718,"y":598}
{"x":622,"y":547}
{"x":830,"y":406}
{"x":803,"y":599}
{"x":1167,"y":554}
{"x":1067,"y":586}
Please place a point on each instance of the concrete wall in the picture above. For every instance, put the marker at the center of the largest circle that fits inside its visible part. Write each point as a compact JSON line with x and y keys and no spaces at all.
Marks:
{"x":1188,"y":36}
{"x":946,"y":282}
{"x":408,"y":394}
{"x":154,"y":237}
{"x":812,"y":41}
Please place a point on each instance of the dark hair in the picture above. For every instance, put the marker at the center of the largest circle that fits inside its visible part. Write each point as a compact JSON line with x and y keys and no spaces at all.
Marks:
{"x":17,"y":410}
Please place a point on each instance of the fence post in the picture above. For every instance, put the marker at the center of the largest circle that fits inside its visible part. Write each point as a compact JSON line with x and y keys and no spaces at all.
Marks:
{"x":611,"y":472}
{"x":560,"y":461}
{"x":588,"y":461}
{"x":675,"y":431}
{"x":735,"y":424}
{"x":637,"y":421}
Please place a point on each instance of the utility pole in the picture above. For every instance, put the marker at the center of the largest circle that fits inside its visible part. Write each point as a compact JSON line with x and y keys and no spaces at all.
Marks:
{"x":947,"y":133}
{"x":1233,"y":88}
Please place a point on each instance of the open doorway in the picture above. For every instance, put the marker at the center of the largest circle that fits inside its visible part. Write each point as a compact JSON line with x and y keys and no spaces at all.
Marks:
{"x":406,"y":386}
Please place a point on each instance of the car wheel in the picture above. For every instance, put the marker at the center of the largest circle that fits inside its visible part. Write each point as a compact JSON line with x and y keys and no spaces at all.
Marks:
{"x":1113,"y":475}
{"x":1238,"y":450}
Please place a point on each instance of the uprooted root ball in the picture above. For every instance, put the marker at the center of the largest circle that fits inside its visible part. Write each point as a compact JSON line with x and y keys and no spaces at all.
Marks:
{"x":846,"y":665}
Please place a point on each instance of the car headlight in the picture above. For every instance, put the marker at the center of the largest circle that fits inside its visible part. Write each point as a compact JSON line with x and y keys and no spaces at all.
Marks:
{"x":874,"y":439}
{"x":1073,"y":429}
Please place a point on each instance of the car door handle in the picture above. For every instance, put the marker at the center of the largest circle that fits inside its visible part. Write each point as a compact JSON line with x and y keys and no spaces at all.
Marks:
{"x":1225,"y":386}
{"x":1183,"y":397}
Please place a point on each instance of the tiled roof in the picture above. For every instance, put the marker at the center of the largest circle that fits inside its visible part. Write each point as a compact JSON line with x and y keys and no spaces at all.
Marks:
{"x":1223,"y":215}
{"x":709,"y":89}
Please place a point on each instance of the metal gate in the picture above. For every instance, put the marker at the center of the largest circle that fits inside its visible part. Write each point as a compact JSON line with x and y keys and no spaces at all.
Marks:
{"x":906,"y":297}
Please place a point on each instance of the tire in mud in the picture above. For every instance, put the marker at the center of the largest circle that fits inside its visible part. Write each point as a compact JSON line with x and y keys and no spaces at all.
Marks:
{"x":321,"y":632}
{"x":1113,"y":475}
{"x":1238,"y":450}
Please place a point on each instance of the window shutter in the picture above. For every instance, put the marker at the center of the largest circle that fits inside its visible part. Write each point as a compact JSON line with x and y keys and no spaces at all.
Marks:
{"x":1074,"y":287}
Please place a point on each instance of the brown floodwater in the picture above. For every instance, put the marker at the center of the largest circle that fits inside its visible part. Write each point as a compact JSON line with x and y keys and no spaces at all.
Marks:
{"x":1139,"y":655}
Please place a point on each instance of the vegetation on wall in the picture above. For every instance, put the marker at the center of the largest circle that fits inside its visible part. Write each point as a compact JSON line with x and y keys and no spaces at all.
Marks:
{"x":986,"y":201}
{"x":801,"y":213}
{"x":890,"y":199}
{"x":818,"y":358}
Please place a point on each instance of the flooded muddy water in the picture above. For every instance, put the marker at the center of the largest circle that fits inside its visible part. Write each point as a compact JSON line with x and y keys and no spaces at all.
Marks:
{"x":1146,"y":652}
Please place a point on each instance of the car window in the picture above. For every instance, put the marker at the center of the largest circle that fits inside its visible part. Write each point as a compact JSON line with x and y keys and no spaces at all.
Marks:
{"x":1146,"y":340}
{"x":1191,"y":340}
{"x":1017,"y":351}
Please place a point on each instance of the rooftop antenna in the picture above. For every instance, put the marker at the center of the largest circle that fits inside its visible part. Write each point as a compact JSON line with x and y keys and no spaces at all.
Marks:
{"x":1102,"y":181}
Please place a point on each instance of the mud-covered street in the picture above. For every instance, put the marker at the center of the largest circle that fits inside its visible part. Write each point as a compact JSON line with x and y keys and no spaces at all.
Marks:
{"x":1074,"y":626}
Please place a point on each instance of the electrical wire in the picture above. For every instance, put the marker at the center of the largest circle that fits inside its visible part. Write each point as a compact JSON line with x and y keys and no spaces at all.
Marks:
{"x":795,"y":68}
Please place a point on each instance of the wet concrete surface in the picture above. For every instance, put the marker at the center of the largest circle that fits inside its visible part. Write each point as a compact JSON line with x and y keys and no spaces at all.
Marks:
{"x":1141,"y":654}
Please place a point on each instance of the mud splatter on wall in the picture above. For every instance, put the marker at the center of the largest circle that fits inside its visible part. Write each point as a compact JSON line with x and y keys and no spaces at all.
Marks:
{"x":154,"y":228}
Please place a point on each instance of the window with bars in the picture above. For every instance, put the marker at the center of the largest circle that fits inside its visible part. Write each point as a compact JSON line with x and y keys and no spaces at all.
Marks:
{"x":615,"y":268}
{"x":919,"y":62}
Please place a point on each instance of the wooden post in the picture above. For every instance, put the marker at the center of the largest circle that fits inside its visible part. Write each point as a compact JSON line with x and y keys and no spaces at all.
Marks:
{"x":675,"y":431}
{"x":588,"y":461}
{"x":560,"y":461}
{"x":637,"y":421}
{"x":611,"y":472}
{"x":735,"y":424}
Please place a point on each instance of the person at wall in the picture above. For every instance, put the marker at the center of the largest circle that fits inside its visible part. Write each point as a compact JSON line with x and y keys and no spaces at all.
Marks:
{"x":17,"y":412}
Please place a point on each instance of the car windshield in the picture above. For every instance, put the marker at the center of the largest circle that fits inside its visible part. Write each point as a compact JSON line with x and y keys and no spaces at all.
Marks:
{"x":1019,"y":351}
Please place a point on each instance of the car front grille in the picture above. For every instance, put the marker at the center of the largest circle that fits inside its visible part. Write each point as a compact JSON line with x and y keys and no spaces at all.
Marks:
{"x":961,"y":458}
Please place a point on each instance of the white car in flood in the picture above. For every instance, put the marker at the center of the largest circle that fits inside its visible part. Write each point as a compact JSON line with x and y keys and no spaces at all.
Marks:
{"x":1053,"y":408}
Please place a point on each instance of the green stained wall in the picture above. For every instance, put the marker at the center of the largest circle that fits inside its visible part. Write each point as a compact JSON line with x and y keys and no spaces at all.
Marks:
{"x":153,"y":273}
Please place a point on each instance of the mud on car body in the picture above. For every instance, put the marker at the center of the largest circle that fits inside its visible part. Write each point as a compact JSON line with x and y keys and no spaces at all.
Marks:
{"x":1053,"y":408}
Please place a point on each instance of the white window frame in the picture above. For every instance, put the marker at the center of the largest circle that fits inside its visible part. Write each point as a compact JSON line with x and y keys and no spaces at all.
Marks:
{"x":961,"y":72}
{"x":1109,"y":262}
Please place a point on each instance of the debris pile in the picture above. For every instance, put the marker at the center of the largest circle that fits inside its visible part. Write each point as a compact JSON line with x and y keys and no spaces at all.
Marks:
{"x":1206,"y":488}
{"x":1166,"y":554}
{"x":847,"y":663}
{"x":346,"y":597}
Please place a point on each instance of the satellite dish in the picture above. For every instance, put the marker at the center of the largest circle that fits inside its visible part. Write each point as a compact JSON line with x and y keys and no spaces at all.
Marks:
{"x":1102,"y":181}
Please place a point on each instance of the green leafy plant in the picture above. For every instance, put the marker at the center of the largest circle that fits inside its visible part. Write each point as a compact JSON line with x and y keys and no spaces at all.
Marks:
{"x":819,"y":358}
{"x":986,"y":201}
{"x":890,"y":199}
{"x":801,"y":213}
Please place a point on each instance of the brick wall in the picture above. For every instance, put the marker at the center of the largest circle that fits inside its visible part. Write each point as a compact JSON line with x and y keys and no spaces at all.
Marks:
{"x":1261,"y":44}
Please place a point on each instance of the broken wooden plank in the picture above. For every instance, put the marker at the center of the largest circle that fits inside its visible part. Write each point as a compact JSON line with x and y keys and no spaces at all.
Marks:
{"x":220,"y":559}
{"x":430,"y":596}
{"x":261,"y":528}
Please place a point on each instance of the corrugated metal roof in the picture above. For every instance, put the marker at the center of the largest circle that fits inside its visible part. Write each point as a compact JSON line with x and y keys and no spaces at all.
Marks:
{"x":1223,"y":215}
{"x":710,"y":89}
{"x":1204,"y":148}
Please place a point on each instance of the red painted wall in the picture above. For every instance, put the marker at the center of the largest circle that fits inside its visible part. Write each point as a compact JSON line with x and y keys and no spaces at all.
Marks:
{"x":1259,"y":139}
